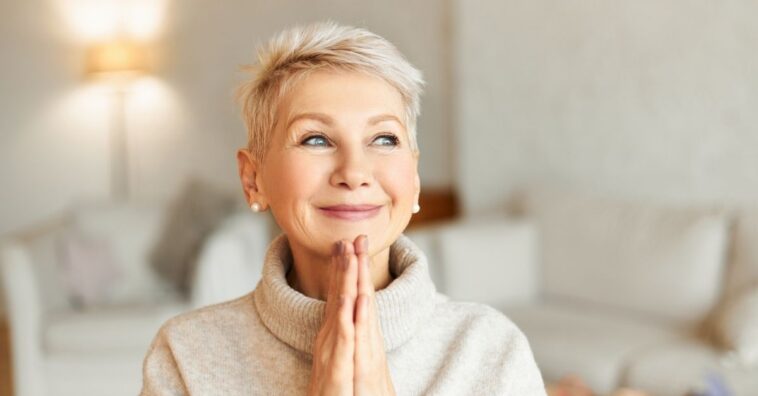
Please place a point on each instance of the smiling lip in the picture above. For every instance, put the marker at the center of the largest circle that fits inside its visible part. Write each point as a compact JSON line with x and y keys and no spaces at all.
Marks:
{"x":351,"y":212}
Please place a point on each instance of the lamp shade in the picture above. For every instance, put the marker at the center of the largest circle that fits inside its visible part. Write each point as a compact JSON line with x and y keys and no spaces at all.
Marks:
{"x":118,"y":57}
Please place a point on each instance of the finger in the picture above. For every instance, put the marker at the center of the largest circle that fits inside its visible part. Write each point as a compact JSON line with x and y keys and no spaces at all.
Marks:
{"x":361,"y":244}
{"x":362,"y":312}
{"x":335,"y":278}
{"x":365,"y":281}
{"x":362,"y":339}
{"x":344,"y":347}
{"x":365,"y":290}
{"x":348,"y":287}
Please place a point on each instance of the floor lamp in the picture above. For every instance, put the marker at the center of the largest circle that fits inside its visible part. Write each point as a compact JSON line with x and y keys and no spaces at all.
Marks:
{"x":118,"y":63}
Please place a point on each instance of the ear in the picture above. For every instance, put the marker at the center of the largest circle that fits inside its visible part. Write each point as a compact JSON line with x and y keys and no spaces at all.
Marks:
{"x":417,"y":185}
{"x":250,"y":178}
{"x":417,"y":179}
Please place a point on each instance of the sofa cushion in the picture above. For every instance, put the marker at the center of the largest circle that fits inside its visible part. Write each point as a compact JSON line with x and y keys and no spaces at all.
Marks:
{"x":737,"y":326}
{"x":94,"y":375}
{"x":682,"y":365}
{"x":492,"y":261}
{"x":658,"y":260}
{"x":589,"y":342}
{"x":106,"y":330}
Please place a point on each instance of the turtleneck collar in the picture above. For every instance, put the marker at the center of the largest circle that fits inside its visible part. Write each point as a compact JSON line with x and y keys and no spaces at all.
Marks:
{"x":295,"y":318}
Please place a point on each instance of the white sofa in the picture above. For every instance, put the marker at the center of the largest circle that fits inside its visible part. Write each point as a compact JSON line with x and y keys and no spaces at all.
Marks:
{"x":614,"y":292}
{"x":618,"y":306}
{"x":59,"y":349}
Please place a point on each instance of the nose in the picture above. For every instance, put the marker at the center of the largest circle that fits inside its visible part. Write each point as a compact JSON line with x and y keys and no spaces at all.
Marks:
{"x":353,"y":169}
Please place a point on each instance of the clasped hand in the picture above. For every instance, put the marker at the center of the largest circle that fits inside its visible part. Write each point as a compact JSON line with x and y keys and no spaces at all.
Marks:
{"x":348,"y":355}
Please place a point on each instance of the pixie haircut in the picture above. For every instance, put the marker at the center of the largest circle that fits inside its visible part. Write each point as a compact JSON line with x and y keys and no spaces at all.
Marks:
{"x":293,"y":54}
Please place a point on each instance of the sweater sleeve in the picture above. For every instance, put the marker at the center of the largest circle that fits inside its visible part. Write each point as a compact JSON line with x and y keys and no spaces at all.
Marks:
{"x":518,"y":369}
{"x":160,"y":372}
{"x":486,"y":354}
{"x":504,"y":364}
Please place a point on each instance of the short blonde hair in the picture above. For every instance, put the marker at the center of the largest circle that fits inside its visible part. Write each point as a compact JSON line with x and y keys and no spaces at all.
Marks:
{"x":294,"y":53}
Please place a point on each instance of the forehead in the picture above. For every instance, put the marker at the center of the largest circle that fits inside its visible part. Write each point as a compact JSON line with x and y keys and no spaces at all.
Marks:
{"x":342,"y":95}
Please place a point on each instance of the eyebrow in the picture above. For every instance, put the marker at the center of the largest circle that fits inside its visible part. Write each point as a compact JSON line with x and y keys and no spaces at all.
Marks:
{"x":330,"y":121}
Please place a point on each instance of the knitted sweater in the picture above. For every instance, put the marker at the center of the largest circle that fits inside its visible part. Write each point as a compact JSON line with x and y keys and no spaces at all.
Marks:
{"x":262,"y":343}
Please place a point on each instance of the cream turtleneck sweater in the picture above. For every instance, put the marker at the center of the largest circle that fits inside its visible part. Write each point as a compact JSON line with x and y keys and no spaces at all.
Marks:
{"x":262,"y":343}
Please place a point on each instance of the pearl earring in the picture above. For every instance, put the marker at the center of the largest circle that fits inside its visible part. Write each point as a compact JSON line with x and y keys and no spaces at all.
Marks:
{"x":255,"y":207}
{"x":416,"y":208}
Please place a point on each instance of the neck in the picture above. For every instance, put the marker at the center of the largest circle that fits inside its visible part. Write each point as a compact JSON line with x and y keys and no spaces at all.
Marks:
{"x":310,"y":273}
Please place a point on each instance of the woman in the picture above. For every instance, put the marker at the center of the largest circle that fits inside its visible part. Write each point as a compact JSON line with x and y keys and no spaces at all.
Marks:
{"x":345,"y":305}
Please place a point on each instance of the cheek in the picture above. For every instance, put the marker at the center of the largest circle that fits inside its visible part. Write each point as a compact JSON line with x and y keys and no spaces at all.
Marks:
{"x":398,"y":178}
{"x":293,"y":180}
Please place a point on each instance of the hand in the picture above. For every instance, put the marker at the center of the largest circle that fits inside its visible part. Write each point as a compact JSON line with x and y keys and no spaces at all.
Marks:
{"x":348,"y":356}
{"x":334,"y":348}
{"x":372,"y":376}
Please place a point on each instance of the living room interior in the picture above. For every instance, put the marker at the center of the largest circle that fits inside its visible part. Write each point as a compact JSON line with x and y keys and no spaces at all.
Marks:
{"x":608,"y":149}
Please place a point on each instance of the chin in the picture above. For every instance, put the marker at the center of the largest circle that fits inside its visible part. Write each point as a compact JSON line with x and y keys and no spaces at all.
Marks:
{"x":376,"y":239}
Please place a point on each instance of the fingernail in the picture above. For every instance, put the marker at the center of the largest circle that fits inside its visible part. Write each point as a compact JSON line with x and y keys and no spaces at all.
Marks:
{"x":364,"y":243}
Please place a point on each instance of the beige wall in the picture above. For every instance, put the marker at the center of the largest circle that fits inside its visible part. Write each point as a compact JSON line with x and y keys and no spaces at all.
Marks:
{"x":653,"y":99}
{"x":54,"y":124}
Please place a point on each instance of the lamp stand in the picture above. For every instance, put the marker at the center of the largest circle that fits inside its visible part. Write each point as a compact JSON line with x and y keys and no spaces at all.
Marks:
{"x":119,"y":149}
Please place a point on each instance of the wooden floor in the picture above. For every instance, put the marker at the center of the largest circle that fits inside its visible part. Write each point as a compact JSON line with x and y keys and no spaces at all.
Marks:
{"x":5,"y":359}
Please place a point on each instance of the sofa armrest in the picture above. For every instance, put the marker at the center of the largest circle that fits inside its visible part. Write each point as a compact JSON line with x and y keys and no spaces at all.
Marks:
{"x":425,"y":238}
{"x":24,"y":310}
{"x":231,"y":260}
{"x":492,"y":261}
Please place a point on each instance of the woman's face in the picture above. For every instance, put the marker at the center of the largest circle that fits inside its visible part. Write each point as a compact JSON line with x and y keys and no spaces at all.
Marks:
{"x":340,"y":163}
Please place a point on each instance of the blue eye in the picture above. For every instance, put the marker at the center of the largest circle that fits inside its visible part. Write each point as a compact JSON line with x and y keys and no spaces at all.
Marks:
{"x":315,"y":140}
{"x":387,"y":140}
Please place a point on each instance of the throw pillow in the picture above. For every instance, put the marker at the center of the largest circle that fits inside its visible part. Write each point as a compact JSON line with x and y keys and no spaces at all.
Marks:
{"x":194,"y":214}
{"x":88,"y":268}
{"x":130,"y":230}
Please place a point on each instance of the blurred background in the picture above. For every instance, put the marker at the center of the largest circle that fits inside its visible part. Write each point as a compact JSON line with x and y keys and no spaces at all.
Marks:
{"x":600,"y":156}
